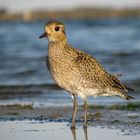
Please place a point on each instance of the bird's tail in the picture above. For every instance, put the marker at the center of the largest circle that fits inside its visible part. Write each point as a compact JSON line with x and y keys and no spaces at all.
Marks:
{"x":128,"y":88}
{"x":124,"y":95}
{"x":129,"y":97}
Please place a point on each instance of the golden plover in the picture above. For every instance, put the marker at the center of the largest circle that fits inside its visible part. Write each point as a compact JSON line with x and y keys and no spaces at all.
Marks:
{"x":77,"y":72}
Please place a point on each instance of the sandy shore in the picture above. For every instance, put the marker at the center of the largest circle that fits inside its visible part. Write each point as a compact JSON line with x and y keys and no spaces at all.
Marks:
{"x":119,"y":117}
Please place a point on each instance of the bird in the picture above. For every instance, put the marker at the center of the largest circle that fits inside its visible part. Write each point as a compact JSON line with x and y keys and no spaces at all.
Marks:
{"x":78,"y":72}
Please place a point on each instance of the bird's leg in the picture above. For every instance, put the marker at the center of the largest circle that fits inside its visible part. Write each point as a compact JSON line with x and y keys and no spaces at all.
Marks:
{"x":85,"y":113}
{"x":85,"y":133}
{"x":73,"y":133}
{"x":75,"y":106}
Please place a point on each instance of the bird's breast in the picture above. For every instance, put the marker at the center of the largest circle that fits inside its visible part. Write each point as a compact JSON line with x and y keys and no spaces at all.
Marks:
{"x":60,"y":65}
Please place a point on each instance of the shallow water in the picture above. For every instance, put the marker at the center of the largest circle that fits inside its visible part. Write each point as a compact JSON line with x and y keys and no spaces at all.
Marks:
{"x":114,"y":41}
{"x":53,"y":131}
{"x":58,"y":98}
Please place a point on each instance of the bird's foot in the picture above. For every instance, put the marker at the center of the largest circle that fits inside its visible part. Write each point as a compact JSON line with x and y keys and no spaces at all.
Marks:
{"x":73,"y":126}
{"x":85,"y":126}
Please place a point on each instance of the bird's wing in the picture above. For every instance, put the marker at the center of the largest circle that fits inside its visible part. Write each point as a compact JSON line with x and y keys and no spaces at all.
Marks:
{"x":117,"y":84}
{"x":92,"y":71}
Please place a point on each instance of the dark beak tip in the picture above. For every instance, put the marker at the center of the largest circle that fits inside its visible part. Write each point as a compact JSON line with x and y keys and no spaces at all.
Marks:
{"x":39,"y":37}
{"x":43,"y":35}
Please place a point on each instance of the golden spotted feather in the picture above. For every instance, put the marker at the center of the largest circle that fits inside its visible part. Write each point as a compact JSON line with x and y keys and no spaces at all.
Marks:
{"x":82,"y":74}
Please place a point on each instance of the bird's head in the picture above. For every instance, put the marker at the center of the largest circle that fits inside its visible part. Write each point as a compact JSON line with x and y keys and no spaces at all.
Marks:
{"x":54,"y":31}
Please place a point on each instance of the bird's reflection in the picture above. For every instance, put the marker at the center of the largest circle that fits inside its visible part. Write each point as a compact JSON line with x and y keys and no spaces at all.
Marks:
{"x":74,"y":133}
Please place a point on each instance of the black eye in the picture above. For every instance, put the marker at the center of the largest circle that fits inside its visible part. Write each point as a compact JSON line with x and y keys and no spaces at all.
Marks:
{"x":57,"y":28}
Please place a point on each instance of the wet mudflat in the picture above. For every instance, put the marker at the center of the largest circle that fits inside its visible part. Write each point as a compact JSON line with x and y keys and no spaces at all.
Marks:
{"x":15,"y":130}
{"x":104,"y":122}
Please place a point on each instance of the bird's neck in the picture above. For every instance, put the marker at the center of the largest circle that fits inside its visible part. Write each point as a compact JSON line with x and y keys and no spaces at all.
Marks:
{"x":61,"y":42}
{"x":56,"y":49}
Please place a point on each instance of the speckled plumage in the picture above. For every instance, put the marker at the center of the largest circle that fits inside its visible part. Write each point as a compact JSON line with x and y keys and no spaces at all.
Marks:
{"x":78,"y":72}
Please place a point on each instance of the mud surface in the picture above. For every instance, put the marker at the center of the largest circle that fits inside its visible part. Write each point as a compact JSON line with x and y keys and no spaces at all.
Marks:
{"x":120,"y":117}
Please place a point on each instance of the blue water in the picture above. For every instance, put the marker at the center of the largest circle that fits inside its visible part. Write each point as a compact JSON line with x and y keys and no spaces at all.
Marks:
{"x":115,"y":42}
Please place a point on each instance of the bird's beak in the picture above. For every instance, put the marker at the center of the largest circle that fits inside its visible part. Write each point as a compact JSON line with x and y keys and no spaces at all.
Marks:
{"x":43,"y":35}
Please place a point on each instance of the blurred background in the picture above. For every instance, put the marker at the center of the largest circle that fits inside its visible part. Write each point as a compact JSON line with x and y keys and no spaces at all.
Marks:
{"x":107,"y":29}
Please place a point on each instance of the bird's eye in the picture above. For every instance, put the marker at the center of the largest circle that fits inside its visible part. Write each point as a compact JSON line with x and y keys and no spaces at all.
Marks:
{"x":57,"y":28}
